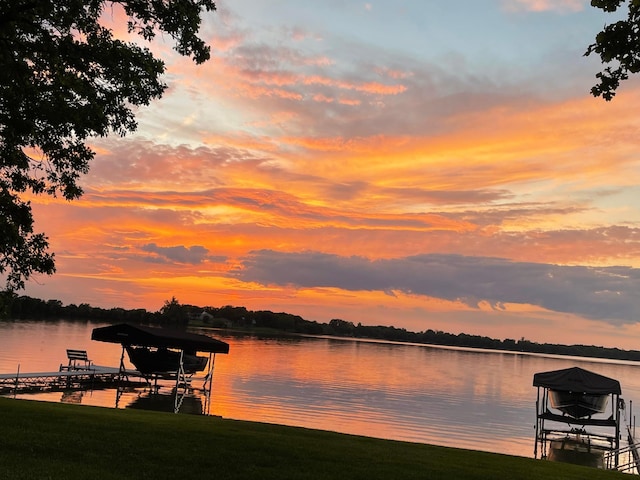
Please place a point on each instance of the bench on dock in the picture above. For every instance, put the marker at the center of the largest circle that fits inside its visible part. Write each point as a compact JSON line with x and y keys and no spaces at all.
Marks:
{"x":78,"y":360}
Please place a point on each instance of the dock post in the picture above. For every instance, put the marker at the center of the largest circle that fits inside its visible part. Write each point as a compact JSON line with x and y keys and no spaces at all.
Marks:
{"x":15,"y":390}
{"x":632,"y":419}
{"x":535,"y":447}
{"x":618,"y":401}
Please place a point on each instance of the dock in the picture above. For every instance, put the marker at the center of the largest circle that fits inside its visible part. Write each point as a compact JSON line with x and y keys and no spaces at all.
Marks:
{"x":79,"y":379}
{"x":151,"y":367}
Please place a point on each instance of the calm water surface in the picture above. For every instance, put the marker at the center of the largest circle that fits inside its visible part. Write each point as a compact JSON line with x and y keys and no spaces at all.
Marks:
{"x":454,"y":397}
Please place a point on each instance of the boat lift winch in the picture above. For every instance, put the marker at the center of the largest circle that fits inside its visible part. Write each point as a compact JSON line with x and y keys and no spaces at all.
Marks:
{"x":159,"y":353}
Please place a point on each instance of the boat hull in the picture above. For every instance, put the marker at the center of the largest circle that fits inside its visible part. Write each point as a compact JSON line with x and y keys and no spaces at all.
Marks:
{"x":160,"y":361}
{"x":578,"y":405}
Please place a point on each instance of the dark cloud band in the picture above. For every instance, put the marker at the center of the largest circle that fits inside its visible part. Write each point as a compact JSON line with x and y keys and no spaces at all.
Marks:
{"x":608,"y":294}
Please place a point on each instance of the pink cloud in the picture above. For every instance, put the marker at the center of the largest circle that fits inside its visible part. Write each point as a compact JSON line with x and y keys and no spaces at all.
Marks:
{"x":225,"y":43}
{"x":544,"y":5}
{"x":322,"y":98}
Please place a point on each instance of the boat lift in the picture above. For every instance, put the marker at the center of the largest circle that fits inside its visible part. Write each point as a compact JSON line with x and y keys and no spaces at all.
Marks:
{"x":128,"y":335}
{"x":571,"y":400}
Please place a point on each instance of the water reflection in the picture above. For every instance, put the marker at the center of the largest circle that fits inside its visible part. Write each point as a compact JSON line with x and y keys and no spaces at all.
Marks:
{"x":166,"y":402}
{"x":403,"y":392}
{"x":452,"y":397}
{"x":72,"y":396}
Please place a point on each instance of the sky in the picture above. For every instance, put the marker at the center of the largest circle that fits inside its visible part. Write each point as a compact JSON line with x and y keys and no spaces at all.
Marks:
{"x":404,"y":163}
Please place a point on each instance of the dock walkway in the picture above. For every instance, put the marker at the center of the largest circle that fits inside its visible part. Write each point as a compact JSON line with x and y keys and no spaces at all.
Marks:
{"x":95,"y":377}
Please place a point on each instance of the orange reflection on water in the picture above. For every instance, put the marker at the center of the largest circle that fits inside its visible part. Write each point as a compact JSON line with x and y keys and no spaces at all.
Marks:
{"x":448,"y":396}
{"x":382,"y":389}
{"x":41,"y":346}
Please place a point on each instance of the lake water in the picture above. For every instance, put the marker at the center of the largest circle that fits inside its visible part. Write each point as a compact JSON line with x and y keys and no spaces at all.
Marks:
{"x":481,"y":400}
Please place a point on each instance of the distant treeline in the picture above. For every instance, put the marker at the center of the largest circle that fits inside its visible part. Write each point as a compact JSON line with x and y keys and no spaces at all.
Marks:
{"x":175,"y":314}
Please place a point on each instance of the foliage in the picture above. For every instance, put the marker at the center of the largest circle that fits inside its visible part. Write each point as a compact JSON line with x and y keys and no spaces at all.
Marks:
{"x":617,"y":43}
{"x":24,"y":307}
{"x":64,"y":78}
{"x":175,"y":313}
{"x":342,"y":327}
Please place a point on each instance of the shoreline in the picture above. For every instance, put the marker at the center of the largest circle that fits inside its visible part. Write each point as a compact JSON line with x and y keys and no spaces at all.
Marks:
{"x":59,"y":441}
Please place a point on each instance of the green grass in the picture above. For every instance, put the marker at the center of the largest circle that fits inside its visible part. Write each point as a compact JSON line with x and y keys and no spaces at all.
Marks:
{"x":40,"y":440}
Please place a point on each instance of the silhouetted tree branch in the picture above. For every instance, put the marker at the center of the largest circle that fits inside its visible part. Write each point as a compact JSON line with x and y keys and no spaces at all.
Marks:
{"x":617,"y":44}
{"x":64,"y":78}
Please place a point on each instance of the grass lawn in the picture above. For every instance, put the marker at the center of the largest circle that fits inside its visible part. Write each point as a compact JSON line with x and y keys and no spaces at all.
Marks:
{"x":40,"y":440}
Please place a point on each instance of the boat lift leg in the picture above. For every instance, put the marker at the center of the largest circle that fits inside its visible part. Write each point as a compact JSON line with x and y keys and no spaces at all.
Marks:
{"x":180,"y":377}
{"x":121,"y":371}
{"x":208,"y":381}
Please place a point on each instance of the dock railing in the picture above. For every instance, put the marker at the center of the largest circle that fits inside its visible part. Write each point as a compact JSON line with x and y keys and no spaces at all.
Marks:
{"x":626,"y":459}
{"x":628,"y":456}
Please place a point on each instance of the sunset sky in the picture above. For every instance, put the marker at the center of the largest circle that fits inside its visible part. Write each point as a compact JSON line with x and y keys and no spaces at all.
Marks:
{"x":398,"y":163}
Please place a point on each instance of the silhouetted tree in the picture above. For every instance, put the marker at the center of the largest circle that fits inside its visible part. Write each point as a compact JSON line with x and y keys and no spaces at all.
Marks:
{"x":63,"y":79}
{"x":341,"y":327}
{"x":173,"y":312}
{"x":617,"y":43}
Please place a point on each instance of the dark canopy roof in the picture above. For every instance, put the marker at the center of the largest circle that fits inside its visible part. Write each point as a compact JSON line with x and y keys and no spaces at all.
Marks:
{"x":142,"y":336}
{"x":576,"y":379}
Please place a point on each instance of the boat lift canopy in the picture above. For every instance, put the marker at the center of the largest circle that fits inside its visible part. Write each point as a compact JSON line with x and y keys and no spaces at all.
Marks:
{"x":129,"y":335}
{"x":577,"y":379}
{"x":138,"y":335}
{"x":578,"y":383}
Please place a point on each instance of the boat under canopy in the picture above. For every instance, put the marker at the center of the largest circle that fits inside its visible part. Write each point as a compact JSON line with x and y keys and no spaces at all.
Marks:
{"x":577,"y":392}
{"x":162,"y":360}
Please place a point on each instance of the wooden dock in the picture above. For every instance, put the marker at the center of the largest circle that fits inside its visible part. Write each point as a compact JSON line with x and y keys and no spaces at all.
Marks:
{"x":80,"y":379}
